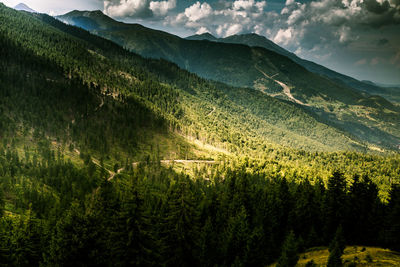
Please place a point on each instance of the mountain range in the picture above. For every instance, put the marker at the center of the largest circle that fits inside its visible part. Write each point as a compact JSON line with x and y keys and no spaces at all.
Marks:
{"x":255,"y":62}
{"x":255,"y":40}
{"x":157,"y":44}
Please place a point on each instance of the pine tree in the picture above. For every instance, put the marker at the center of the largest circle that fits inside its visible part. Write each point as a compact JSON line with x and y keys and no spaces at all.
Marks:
{"x":131,"y":243}
{"x":335,"y":204}
{"x":5,"y":243}
{"x":336,"y":249}
{"x":2,"y":203}
{"x":392,"y":219}
{"x":289,"y":256}
{"x":181,"y":226}
{"x":363,"y":195}
{"x":236,"y":238}
{"x":28,"y":241}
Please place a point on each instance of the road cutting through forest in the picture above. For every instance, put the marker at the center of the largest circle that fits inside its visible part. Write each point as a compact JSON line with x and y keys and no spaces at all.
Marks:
{"x":286,"y":89}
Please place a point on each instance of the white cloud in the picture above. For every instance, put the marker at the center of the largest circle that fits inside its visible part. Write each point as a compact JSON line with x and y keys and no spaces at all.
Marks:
{"x":231,"y":18}
{"x":202,"y":30}
{"x":161,"y":8}
{"x":127,"y":8}
{"x":138,"y":8}
{"x":289,"y":2}
{"x":233,"y":29}
{"x":198,"y":11}
{"x":242,"y":4}
{"x":283,"y":37}
{"x":344,"y":34}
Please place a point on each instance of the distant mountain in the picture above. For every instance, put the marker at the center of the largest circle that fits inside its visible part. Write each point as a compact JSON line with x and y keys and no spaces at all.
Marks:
{"x":251,"y":39}
{"x":205,"y":36}
{"x":391,"y":92}
{"x":255,"y":40}
{"x":24,"y":7}
{"x":235,"y":64}
{"x":383,"y":84}
{"x":369,"y":117}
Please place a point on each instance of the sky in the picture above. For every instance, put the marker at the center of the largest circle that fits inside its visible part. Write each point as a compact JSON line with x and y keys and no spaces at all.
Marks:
{"x":359,"y":38}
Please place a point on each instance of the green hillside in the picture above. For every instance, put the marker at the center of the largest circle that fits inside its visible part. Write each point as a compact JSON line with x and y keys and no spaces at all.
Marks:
{"x":180,"y":98}
{"x":255,"y":40}
{"x":370,"y":119}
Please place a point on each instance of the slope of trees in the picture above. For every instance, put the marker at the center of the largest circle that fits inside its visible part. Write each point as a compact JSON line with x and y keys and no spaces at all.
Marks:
{"x":154,"y":216}
{"x":182,"y":99}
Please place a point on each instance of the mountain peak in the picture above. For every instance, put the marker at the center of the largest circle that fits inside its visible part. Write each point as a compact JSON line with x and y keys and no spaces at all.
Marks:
{"x":204,"y":36}
{"x":85,"y":13}
{"x":207,"y":34}
{"x":24,"y":7}
{"x":253,"y":36}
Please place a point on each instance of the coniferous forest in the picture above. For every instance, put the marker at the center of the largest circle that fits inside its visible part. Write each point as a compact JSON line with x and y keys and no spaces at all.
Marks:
{"x":111,"y":159}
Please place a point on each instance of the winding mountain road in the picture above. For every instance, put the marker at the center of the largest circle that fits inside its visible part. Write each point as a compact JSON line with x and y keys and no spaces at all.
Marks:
{"x":286,"y":89}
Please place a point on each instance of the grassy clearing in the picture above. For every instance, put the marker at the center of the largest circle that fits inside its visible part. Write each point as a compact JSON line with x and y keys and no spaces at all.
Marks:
{"x":353,"y":256}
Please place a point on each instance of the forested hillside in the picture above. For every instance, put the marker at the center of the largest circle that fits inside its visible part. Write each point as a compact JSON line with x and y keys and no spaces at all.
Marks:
{"x":88,"y":137}
{"x":255,"y":40}
{"x":372,"y":119}
{"x":182,"y":99}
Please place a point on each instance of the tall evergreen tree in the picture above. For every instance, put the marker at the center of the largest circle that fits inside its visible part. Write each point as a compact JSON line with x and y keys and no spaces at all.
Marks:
{"x":392,"y":219}
{"x":336,"y":249}
{"x":289,"y":255}
{"x":335,"y":204}
{"x":181,"y":226}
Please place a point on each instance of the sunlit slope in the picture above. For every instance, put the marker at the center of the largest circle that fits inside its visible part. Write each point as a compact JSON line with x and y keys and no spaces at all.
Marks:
{"x":182,"y":100}
{"x":371,"y":119}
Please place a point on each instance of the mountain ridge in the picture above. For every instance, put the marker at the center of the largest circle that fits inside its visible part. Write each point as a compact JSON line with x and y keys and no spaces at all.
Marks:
{"x":253,"y":39}
{"x":235,"y":121}
{"x":244,"y":66}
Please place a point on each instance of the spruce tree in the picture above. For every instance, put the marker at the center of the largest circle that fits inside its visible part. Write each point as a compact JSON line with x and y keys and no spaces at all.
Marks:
{"x":5,"y":243}
{"x":289,"y":256}
{"x":2,"y":203}
{"x":336,"y":249}
{"x":181,"y":226}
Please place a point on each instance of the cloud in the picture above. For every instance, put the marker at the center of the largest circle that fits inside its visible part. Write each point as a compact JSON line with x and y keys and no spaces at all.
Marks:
{"x":128,"y":8}
{"x":361,"y":62}
{"x":223,"y":19}
{"x":138,"y":8}
{"x":283,"y":36}
{"x":323,"y":26}
{"x":198,"y":11}
{"x":289,"y":2}
{"x":233,"y":29}
{"x":163,"y":7}
{"x":202,"y":30}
